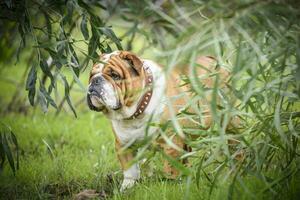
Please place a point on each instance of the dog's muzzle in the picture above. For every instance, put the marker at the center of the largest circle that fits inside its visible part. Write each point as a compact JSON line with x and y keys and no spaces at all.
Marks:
{"x":100,"y":92}
{"x":94,"y":91}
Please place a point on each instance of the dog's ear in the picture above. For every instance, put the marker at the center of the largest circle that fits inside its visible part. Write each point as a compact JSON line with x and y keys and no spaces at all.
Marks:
{"x":133,"y":60}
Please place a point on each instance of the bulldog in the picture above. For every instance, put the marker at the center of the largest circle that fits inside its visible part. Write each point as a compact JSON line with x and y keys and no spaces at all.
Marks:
{"x":131,"y":91}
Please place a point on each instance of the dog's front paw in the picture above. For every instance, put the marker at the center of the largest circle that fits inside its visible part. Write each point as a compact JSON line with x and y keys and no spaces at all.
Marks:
{"x":127,"y":183}
{"x":131,"y":175}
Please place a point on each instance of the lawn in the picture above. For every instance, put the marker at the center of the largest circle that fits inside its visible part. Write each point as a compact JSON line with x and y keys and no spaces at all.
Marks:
{"x":61,"y":156}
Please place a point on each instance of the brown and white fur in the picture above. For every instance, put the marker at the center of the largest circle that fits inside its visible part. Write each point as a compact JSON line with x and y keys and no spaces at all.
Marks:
{"x":118,"y":97}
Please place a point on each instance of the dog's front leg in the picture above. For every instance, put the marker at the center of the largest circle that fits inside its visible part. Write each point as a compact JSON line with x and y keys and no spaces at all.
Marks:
{"x":131,"y":171}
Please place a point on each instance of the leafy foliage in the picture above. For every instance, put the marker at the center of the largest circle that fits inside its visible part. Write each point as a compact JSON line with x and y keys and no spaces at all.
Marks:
{"x":50,"y":27}
{"x":258,"y":41}
{"x":7,"y":141}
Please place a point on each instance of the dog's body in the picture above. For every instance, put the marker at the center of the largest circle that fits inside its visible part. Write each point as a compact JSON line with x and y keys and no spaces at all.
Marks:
{"x":129,"y":130}
{"x":120,"y":90}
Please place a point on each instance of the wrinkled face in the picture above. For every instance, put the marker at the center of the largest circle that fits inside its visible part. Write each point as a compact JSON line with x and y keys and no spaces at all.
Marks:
{"x":115,"y":84}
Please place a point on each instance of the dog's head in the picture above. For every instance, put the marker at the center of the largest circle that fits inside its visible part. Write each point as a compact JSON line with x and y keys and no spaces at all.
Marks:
{"x":115,"y":82}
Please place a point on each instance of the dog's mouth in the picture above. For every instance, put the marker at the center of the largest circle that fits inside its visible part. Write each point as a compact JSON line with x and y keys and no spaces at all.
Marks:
{"x":96,"y":101}
{"x":96,"y":95}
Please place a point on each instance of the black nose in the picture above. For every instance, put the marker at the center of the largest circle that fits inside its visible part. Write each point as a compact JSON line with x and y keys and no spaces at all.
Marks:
{"x":97,"y":80}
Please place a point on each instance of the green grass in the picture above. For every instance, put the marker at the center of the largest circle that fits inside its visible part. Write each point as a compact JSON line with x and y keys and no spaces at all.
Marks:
{"x":61,"y":156}
{"x":59,"y":152}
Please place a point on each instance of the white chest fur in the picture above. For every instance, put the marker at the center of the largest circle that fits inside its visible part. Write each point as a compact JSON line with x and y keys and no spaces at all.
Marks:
{"x":129,"y":131}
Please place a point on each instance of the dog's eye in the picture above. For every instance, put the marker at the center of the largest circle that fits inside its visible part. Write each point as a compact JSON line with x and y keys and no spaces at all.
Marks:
{"x":114,"y":75}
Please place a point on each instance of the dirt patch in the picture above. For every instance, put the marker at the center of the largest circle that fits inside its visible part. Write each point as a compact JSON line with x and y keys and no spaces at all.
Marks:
{"x":89,"y":194}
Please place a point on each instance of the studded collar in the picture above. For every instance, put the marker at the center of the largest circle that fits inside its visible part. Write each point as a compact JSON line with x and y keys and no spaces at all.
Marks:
{"x":144,"y":102}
